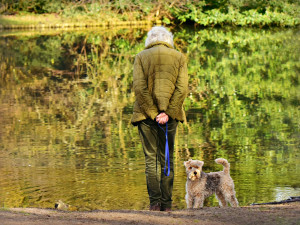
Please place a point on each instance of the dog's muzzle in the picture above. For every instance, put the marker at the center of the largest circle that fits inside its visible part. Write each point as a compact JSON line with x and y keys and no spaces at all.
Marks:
{"x":194,"y":175}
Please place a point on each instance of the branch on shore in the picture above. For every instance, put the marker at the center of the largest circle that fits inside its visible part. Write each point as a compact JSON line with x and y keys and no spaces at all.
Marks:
{"x":289,"y":200}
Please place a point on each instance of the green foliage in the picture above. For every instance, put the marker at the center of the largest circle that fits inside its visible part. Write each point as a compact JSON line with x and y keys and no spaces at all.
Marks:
{"x":35,"y":6}
{"x":205,"y":13}
{"x":241,"y":13}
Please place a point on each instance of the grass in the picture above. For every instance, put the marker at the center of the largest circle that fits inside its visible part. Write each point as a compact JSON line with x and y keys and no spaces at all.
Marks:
{"x":4,"y":209}
{"x":30,"y":19}
{"x":55,"y":20}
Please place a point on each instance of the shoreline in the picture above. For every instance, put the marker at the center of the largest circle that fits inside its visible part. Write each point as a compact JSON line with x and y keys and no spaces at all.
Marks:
{"x":268,"y":214}
{"x":32,"y":21}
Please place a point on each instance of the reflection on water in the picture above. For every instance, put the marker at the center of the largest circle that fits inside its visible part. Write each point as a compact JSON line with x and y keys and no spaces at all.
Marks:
{"x":66,"y":103}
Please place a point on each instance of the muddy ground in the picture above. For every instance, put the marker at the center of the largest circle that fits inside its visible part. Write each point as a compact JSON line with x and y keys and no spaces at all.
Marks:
{"x":268,"y":214}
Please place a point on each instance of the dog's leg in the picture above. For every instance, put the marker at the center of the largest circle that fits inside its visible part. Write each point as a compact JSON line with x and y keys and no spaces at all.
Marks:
{"x":229,"y":193}
{"x":199,"y":200}
{"x":233,"y":201}
{"x":189,"y":201}
{"x":221,"y":199}
{"x":230,"y":197}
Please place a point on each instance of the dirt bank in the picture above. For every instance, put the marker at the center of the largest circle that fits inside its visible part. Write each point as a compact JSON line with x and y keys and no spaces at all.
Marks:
{"x":278,"y":214}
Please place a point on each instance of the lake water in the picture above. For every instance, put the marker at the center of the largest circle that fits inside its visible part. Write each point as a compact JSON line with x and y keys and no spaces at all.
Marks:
{"x":66,"y":101}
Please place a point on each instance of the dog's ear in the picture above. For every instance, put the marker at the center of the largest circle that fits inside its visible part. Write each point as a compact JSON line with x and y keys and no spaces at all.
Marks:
{"x":200,"y":163}
{"x":187,"y":163}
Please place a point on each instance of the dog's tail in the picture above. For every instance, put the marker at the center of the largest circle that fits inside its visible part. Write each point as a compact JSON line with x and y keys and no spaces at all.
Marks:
{"x":225,"y":163}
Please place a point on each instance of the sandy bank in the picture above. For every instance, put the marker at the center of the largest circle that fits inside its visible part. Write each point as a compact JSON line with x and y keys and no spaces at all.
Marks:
{"x":278,"y":214}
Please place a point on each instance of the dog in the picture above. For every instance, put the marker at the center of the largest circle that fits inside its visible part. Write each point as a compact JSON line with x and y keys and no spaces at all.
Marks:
{"x":200,"y":185}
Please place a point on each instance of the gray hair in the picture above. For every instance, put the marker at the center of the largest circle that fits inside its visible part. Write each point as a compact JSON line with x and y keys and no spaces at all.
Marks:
{"x":159,"y":33}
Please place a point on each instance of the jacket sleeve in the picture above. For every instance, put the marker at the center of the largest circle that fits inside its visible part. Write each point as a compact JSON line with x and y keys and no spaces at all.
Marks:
{"x":180,"y":92}
{"x":142,"y":93}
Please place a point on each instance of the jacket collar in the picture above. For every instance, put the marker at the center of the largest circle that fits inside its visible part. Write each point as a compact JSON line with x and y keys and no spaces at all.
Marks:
{"x":159,"y":43}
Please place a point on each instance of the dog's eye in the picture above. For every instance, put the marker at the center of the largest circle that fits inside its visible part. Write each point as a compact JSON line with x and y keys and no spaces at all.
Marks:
{"x":191,"y":168}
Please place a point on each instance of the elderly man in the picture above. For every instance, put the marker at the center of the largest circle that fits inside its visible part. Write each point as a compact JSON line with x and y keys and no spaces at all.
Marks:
{"x":160,"y":83}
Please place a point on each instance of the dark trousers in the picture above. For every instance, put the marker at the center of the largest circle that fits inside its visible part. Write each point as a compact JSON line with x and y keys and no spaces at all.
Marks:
{"x":153,"y":140}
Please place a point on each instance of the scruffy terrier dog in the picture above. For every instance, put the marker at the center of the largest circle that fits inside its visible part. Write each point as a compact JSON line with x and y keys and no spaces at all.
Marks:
{"x":200,"y":185}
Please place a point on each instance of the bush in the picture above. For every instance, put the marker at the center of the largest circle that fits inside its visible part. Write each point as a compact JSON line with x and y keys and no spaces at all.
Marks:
{"x":34,"y":6}
{"x":205,"y":12}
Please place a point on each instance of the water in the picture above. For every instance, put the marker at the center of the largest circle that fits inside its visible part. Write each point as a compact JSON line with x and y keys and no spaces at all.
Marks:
{"x":66,"y":103}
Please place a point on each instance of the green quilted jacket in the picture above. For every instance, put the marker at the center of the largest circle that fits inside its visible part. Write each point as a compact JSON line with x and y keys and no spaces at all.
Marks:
{"x":160,"y":82}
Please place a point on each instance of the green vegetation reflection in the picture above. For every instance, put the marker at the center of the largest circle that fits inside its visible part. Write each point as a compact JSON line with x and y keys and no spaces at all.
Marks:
{"x":66,"y":103}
